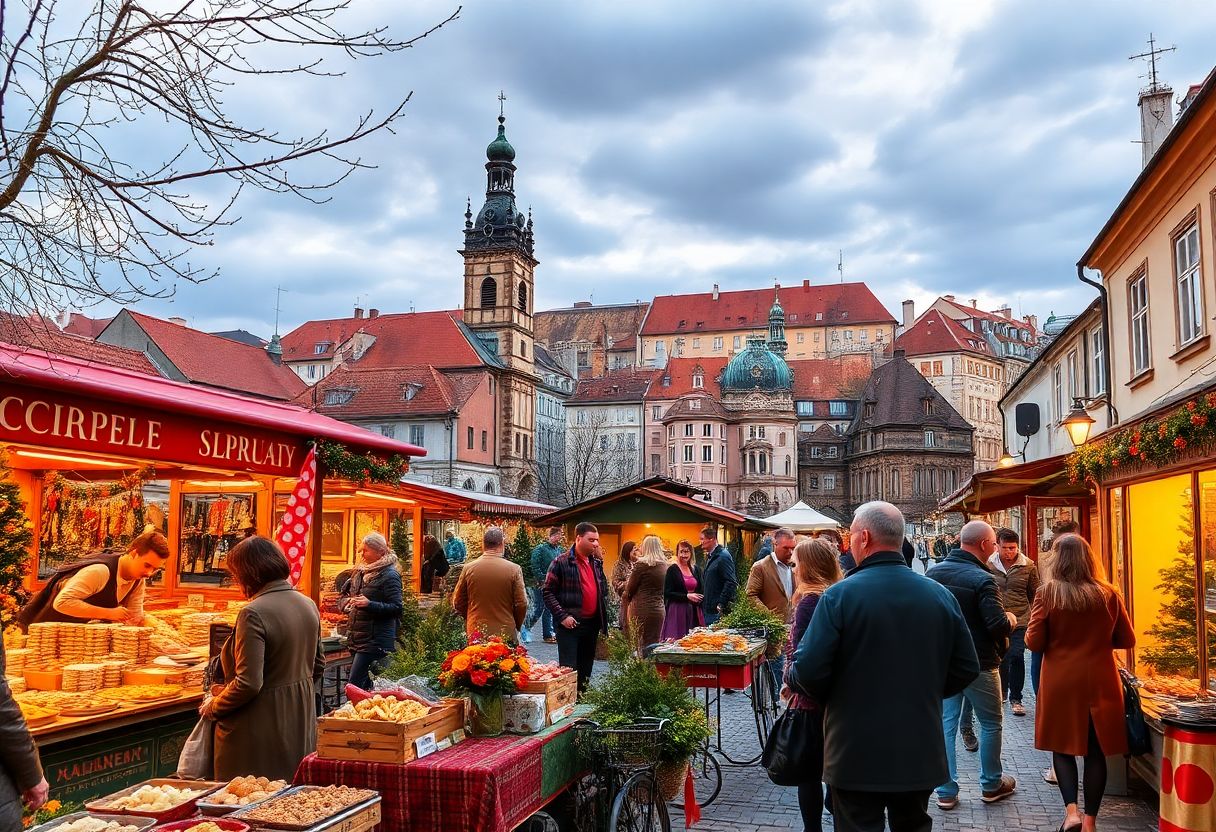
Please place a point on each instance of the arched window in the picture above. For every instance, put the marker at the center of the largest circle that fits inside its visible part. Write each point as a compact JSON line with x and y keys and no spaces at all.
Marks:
{"x":469,"y":485}
{"x":489,"y":488}
{"x":787,"y":464}
{"x":523,"y":297}
{"x":757,"y":504}
{"x":489,"y":293}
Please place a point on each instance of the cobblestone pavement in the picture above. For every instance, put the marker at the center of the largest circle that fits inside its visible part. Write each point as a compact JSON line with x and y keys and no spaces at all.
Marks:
{"x":749,"y":801}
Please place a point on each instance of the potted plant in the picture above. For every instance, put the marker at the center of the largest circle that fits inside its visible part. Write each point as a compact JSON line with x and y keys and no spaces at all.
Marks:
{"x":484,"y":671}
{"x":753,"y":618}
{"x":633,"y":688}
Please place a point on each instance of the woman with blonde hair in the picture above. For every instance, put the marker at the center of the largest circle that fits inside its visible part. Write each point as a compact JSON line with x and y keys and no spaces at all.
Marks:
{"x":1077,"y":621}
{"x":643,"y":595}
{"x":816,"y":567}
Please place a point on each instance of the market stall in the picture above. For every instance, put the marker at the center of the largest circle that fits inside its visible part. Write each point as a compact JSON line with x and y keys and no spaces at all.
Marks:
{"x":98,"y":453}
{"x":802,"y":519}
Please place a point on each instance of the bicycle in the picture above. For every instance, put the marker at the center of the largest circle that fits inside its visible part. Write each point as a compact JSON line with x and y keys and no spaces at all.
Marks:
{"x":622,"y":788}
{"x":706,"y":777}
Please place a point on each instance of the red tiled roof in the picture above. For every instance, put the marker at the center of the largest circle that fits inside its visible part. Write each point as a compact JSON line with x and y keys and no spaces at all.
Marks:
{"x":820,"y":379}
{"x":627,"y":385}
{"x":937,"y":333}
{"x":976,"y":312}
{"x":404,"y":339}
{"x":218,"y":362}
{"x":46,"y":337}
{"x":589,"y":324}
{"x":85,"y":326}
{"x":675,"y":379}
{"x":707,"y":406}
{"x":380,"y":391}
{"x":837,"y":303}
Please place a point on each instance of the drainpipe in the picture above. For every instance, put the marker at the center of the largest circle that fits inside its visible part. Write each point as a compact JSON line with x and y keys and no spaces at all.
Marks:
{"x":1112,"y":415}
{"x":451,"y":447}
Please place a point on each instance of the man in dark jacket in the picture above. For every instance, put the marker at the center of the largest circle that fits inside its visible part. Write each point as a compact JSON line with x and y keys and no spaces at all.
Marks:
{"x":964,"y":573}
{"x":718,"y":579}
{"x":542,"y":558}
{"x":1018,"y":579}
{"x":21,"y":780}
{"x":576,"y":592}
{"x":883,"y":749}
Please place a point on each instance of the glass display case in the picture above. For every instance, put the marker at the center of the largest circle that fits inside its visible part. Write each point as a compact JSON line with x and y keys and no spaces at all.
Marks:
{"x":211,"y":524}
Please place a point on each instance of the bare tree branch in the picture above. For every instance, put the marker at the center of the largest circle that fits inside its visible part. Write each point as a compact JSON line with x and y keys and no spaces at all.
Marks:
{"x":80,"y":220}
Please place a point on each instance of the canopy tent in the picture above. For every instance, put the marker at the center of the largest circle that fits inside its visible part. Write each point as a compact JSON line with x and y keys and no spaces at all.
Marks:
{"x":802,"y":518}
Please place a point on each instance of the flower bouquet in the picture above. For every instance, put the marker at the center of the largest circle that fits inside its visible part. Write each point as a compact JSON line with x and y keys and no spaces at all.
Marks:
{"x":485,"y":671}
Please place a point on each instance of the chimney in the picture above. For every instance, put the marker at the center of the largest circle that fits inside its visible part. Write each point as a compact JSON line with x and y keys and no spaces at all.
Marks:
{"x":1033,"y":320}
{"x":373,"y":313}
{"x":358,"y":312}
{"x":582,"y":304}
{"x":1005,"y":312}
{"x":1156,"y":118}
{"x":275,"y":349}
{"x":949,"y":298}
{"x":973,"y":303}
{"x":909,"y":313}
{"x":715,"y":291}
{"x":177,"y":320}
{"x":806,"y":284}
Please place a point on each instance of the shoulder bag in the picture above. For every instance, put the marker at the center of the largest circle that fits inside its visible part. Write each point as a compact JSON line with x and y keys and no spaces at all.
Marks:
{"x":792,"y":747}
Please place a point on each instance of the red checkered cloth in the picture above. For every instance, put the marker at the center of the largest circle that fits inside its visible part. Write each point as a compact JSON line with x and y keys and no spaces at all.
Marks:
{"x":479,"y":785}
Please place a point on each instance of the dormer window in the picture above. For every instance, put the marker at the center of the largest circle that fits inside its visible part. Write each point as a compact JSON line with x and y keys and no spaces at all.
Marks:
{"x":869,"y":410}
{"x":698,"y":377}
{"x":410,"y":390}
{"x":320,"y":348}
{"x":336,"y":398}
{"x":927,"y":405}
{"x":695,"y":404}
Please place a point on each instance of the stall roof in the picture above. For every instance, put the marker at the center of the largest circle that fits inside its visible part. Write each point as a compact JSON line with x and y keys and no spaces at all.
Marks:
{"x":663,"y":490}
{"x":801,"y":517}
{"x":48,"y":370}
{"x":473,"y":502}
{"x":1003,"y":488}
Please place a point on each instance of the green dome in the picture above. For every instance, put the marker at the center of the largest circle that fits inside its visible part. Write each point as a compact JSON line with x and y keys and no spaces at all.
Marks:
{"x":776,"y":311}
{"x":757,"y":368}
{"x":500,"y":149}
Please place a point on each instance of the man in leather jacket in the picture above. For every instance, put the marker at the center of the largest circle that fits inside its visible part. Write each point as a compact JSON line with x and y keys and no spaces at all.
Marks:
{"x":21,"y":779}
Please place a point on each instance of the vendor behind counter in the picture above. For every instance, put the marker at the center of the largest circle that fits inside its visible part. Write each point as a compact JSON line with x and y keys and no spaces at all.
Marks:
{"x":110,"y":586}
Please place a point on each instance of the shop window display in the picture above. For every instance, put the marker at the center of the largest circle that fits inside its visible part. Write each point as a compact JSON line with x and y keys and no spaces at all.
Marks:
{"x":81,"y":519}
{"x":1207,"y":519}
{"x":1162,"y":537}
{"x":1118,"y":550}
{"x":211,"y":524}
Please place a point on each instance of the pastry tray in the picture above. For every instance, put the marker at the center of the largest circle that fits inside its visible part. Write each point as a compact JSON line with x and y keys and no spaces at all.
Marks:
{"x":317,"y":826}
{"x":142,"y":824}
{"x":223,"y":809}
{"x":181,"y":811}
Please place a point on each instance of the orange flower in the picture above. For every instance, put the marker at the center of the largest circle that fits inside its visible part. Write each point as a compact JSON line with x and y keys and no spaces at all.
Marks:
{"x":52,"y":806}
{"x":524,"y":664}
{"x":460,"y":663}
{"x":506,"y":665}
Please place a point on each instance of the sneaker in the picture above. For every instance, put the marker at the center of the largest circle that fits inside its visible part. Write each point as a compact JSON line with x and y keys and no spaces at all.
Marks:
{"x":970,"y":741}
{"x":550,"y":639}
{"x":1017,"y":709}
{"x":947,"y":803}
{"x":525,"y":637}
{"x":1007,"y":787}
{"x":1049,"y":775}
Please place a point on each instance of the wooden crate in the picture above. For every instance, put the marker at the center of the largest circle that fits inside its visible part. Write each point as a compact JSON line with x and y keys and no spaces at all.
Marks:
{"x":384,"y":742}
{"x":558,"y":692}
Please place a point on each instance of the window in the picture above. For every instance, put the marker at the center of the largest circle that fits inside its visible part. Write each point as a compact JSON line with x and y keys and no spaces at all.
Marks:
{"x":848,"y":335}
{"x":312,"y":370}
{"x":816,"y":336}
{"x":388,"y":430}
{"x":737,"y":342}
{"x":410,"y":390}
{"x":894,"y":483}
{"x":838,"y":408}
{"x":816,"y":451}
{"x":814,"y":483}
{"x":799,"y":337}
{"x":819,"y":316}
{"x":718,"y":344}
{"x":338,"y":397}
{"x":1137,"y":291}
{"x":696,"y":343}
{"x":925,"y":368}
{"x":688,"y":453}
{"x":707,"y":453}
{"x":688,"y":429}
{"x":698,"y":380}
{"x":417,"y":435}
{"x":804,"y":408}
{"x":707,"y":429}
{"x":654,"y":412}
{"x":930,"y":439}
{"x":829,"y":482}
{"x":320,"y":348}
{"x":489,"y":293}
{"x":760,"y":431}
{"x":1190,"y":289}
{"x":832,"y":450}
{"x":522,"y":297}
{"x":937,"y":368}
{"x":671,"y":455}
{"x":864,"y":335}
{"x":484,"y":437}
{"x":1057,"y":387}
{"x":1074,"y":380}
{"x":788,"y":466}
{"x":927,"y":405}
{"x":1097,"y":382}
{"x":762,"y":463}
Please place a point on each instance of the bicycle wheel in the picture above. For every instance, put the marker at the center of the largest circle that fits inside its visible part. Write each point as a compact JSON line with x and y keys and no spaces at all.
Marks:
{"x":706,"y":778}
{"x":540,"y":822}
{"x":638,"y":807}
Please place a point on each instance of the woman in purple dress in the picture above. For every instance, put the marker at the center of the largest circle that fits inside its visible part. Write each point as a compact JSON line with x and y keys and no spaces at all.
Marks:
{"x":817,"y":567}
{"x":682,"y":594}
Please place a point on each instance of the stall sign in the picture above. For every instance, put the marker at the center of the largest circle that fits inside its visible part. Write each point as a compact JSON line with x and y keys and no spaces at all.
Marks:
{"x":57,"y":420}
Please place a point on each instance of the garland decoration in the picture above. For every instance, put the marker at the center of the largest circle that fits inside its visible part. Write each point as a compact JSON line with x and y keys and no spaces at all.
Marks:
{"x":340,"y":461}
{"x":1156,"y":441}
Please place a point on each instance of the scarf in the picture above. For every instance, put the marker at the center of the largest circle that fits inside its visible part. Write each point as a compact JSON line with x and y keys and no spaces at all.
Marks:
{"x":388,"y":559}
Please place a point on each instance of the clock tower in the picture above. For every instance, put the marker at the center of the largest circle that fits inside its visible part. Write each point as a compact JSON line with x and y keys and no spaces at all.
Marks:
{"x":498,"y":297}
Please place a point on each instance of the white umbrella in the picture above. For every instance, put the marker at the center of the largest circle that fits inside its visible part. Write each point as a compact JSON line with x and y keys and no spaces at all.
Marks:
{"x":802,"y":518}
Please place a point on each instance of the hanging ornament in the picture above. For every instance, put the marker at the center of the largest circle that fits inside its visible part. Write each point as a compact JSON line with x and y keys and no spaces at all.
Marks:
{"x":296,"y":521}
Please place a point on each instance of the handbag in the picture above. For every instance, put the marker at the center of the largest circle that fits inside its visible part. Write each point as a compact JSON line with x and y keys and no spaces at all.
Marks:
{"x":1138,"y":739}
{"x":791,"y":747}
{"x":197,"y":760}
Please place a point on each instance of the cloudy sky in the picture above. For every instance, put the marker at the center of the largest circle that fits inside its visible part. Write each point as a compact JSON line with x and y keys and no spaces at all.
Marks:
{"x":971,"y":148}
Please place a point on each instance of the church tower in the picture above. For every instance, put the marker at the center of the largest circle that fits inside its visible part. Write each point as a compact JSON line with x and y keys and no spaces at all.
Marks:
{"x":776,"y":327}
{"x":498,"y":297}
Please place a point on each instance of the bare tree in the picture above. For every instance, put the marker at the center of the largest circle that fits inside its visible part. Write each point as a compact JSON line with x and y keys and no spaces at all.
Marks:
{"x":597,"y":457}
{"x":83,"y":217}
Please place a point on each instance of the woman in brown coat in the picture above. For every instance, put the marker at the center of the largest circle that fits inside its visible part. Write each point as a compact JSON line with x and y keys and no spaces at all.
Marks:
{"x":265,"y":714}
{"x":1077,"y":621}
{"x":620,"y":575}
{"x":644,"y":591}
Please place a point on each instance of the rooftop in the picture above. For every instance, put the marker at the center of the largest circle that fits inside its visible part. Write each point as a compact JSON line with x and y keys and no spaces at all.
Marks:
{"x":895,"y":395}
{"x":589,"y":324}
{"x":406,"y":338}
{"x":936,"y":333}
{"x":629,"y":385}
{"x":46,"y":337}
{"x":369,"y":392}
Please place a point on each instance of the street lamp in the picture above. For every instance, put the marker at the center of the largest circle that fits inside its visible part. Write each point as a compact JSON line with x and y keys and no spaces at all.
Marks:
{"x":1006,"y":460}
{"x":1078,"y":423}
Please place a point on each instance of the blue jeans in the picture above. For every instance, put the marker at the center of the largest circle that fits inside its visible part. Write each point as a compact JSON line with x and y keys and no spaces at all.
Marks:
{"x":361,"y":665}
{"x":1013,"y":667}
{"x":539,"y":611}
{"x":777,"y":668}
{"x":984,"y":694}
{"x":712,"y":618}
{"x":1036,"y":667}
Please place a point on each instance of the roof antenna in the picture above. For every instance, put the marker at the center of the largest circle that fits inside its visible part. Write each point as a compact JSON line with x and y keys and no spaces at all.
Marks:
{"x":1151,"y":54}
{"x":278,"y":303}
{"x":840,"y":265}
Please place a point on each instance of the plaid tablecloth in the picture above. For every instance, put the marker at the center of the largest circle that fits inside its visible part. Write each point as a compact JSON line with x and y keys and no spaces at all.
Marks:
{"x":479,"y":785}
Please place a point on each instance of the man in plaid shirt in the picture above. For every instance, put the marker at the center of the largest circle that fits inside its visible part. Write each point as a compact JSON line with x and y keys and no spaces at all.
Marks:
{"x":576,"y":592}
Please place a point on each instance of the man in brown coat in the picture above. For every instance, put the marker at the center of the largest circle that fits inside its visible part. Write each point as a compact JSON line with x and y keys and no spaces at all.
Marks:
{"x":21,"y":780}
{"x":490,"y":593}
{"x":771,"y":583}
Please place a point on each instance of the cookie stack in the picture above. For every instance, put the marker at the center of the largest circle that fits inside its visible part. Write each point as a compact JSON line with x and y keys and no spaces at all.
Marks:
{"x":17,"y":660}
{"x":196,"y":627}
{"x":132,"y":643}
{"x":97,"y":638}
{"x":111,"y":674}
{"x":83,"y":677}
{"x":72,"y":642}
{"x":43,"y":644}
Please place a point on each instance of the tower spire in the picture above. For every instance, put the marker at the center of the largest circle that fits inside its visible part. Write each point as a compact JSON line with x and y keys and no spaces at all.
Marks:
{"x":776,"y":324}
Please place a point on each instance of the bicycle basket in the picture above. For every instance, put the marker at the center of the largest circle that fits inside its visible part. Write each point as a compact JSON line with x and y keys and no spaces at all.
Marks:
{"x":624,"y":747}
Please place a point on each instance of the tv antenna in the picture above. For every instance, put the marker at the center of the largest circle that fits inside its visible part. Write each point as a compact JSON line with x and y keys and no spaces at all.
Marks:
{"x":1153,"y":51}
{"x":840,"y":265}
{"x":278,"y":303}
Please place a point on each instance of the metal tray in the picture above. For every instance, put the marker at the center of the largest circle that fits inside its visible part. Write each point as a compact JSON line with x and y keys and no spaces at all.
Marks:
{"x":179,"y":812}
{"x":222,"y":809}
{"x":318,"y":826}
{"x":142,"y":824}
